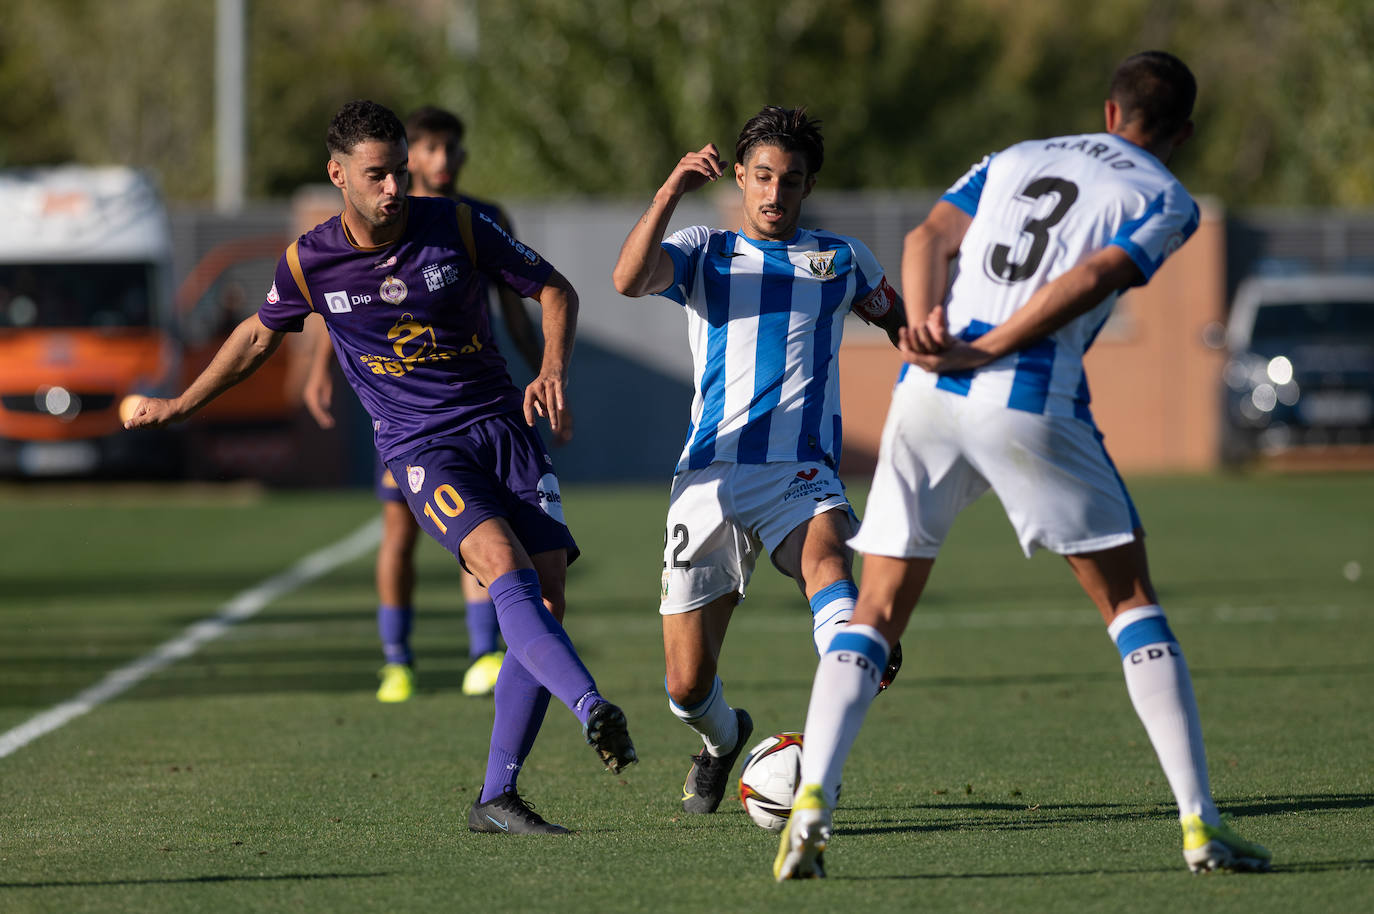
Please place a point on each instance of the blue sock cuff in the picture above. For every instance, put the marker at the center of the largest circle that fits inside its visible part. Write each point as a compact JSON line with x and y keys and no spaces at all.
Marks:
{"x":513,"y":581}
{"x":700,"y":707}
{"x":859,"y":643}
{"x":1147,"y":631}
{"x":837,"y":591}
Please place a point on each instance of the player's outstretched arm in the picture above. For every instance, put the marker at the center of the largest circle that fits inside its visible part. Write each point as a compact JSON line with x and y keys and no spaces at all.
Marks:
{"x":546,"y":395}
{"x":643,"y":267}
{"x":926,"y":255}
{"x":248,"y":346}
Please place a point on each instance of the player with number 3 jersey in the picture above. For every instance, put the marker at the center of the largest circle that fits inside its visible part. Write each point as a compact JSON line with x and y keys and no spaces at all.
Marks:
{"x":994,"y":397}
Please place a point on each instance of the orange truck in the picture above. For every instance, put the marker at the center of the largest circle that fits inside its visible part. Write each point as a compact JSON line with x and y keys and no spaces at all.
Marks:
{"x":86,"y":318}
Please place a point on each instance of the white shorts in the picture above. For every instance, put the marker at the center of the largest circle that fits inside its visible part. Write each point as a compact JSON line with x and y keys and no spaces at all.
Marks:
{"x":940,"y":451}
{"x":722,"y":516}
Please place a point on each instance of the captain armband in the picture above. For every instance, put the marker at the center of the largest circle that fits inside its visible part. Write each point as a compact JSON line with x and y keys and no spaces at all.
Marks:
{"x":877,"y":304}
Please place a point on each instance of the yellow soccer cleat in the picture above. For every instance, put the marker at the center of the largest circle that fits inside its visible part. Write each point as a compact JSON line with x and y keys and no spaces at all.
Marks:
{"x":398,"y":683}
{"x":480,"y":679}
{"x":1217,"y":847}
{"x":805,"y":837}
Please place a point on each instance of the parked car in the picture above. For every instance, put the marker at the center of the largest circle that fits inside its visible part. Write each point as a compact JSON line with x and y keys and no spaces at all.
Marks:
{"x":1301,"y":366}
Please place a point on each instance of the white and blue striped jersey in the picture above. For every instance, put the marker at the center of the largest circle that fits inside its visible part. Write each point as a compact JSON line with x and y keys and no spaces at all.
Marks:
{"x":1040,"y":208}
{"x":765,"y":319}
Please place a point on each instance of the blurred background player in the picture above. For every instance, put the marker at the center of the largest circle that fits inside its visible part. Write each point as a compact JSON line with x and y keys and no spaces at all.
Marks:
{"x":1047,"y":232}
{"x":395,"y":279}
{"x":437,"y":155}
{"x":765,"y":314}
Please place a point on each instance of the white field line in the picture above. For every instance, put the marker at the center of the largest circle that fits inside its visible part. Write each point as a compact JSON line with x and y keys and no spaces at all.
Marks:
{"x":242,"y":606}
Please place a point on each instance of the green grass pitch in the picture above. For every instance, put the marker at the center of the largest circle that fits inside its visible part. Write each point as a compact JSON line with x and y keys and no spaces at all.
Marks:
{"x":1005,"y":770}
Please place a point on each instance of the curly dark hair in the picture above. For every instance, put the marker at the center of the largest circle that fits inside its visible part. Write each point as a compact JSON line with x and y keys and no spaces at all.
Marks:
{"x":359,"y":121}
{"x":786,"y":128}
{"x":1156,"y":90}
{"x":431,"y":120}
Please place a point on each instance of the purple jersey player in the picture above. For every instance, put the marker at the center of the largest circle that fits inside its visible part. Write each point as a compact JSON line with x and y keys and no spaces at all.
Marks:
{"x":401,"y":297}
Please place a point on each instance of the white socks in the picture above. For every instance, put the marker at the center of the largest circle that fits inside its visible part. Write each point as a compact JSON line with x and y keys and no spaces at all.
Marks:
{"x":846,"y":684}
{"x":1162,"y":692}
{"x":713,"y":719}
{"x":831,"y":609}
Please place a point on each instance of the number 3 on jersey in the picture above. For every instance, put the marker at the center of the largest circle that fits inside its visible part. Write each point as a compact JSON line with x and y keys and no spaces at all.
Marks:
{"x":449,"y":502}
{"x":999,"y":264}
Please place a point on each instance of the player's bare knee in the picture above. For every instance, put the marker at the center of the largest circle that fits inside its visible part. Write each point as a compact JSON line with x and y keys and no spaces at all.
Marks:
{"x":688,"y":688}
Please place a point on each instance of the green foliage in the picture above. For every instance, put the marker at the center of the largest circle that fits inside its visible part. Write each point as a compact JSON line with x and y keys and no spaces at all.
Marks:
{"x":604,"y":96}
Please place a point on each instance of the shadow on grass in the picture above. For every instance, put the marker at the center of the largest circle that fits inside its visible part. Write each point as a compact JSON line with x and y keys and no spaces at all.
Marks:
{"x":1313,"y":866}
{"x":1049,"y":815}
{"x":191,"y":880}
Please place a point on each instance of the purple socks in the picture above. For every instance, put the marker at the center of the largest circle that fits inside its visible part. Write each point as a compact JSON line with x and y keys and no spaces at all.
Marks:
{"x":520,"y":705}
{"x":393,"y":625}
{"x":482,"y":628}
{"x":539,"y":642}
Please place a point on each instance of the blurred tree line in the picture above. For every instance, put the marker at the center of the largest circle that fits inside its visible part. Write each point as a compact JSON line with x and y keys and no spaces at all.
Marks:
{"x":603,"y":96}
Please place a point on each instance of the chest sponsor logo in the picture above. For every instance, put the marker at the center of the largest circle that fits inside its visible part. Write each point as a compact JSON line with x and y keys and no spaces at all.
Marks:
{"x":822,"y":264}
{"x":272,"y":296}
{"x":393,"y":291}
{"x":341,"y":302}
{"x":415,"y":478}
{"x":413,"y":344}
{"x":438,"y":275}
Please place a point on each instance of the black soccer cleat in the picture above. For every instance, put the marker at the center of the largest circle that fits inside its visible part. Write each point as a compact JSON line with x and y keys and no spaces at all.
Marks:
{"x":709,"y":776}
{"x":510,"y":814}
{"x":608,"y":733}
{"x":894,"y":664}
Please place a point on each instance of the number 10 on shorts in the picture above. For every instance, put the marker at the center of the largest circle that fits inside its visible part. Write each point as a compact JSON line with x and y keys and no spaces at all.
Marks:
{"x":450,"y":504}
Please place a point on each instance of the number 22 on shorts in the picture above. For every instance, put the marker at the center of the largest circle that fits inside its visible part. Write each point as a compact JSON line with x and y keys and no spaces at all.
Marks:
{"x":449,"y":502}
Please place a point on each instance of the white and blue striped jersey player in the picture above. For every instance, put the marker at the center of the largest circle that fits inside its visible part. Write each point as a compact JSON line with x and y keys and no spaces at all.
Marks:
{"x":1022,"y":423}
{"x":765,"y":321}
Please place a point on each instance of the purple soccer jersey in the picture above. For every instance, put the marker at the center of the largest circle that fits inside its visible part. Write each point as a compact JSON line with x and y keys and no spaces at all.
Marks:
{"x":408,"y":320}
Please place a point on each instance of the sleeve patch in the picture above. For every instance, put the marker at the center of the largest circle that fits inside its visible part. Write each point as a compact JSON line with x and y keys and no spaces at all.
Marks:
{"x":878,"y":303}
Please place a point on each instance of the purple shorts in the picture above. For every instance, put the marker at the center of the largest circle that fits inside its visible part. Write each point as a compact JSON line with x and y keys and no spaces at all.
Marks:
{"x":495,"y":467}
{"x":385,"y":485}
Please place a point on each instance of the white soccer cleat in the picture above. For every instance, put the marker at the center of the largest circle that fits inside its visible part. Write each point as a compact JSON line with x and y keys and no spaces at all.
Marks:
{"x":805,"y":837}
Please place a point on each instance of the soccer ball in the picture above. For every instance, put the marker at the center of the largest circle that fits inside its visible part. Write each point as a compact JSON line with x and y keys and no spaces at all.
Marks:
{"x":769,"y":779}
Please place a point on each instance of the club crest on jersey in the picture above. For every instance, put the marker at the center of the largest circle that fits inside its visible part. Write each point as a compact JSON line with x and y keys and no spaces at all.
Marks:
{"x":822,"y":264}
{"x":272,"y":296}
{"x":393,"y":290}
{"x":438,"y":275}
{"x":415,"y":478}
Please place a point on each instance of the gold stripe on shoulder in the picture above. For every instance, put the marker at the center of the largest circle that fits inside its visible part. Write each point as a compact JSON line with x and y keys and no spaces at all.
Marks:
{"x":465,"y":229}
{"x":293,"y":260}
